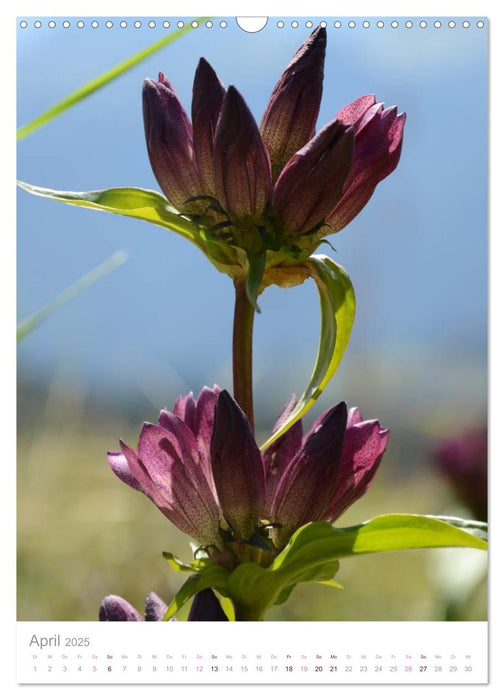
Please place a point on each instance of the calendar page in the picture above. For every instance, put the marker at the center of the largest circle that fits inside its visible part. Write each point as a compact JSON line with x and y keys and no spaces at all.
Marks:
{"x":252,"y":348}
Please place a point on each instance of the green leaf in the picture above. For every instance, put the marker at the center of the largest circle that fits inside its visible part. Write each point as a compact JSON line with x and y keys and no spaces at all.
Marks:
{"x":337,"y":306}
{"x":285,"y":594}
{"x":178,"y":565}
{"x":314,"y":550}
{"x":212,"y":577}
{"x":228,"y":607}
{"x":102,"y":80}
{"x":320,"y":542}
{"x":146,"y":205}
{"x":105,"y":268}
{"x":313,"y":553}
{"x":256,"y":263}
{"x":331,"y":584}
{"x":254,"y":589}
{"x":475,"y":527}
{"x":322,"y":573}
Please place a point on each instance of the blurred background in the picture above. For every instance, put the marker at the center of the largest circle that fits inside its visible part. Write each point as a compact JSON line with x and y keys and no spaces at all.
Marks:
{"x":160,"y":325}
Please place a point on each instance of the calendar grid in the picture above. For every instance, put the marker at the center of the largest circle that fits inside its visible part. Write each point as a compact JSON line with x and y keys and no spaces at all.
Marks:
{"x":332,"y":652}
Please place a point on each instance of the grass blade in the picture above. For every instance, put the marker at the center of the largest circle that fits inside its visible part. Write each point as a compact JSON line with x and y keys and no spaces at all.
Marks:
{"x":31,"y":322}
{"x":102,"y":80}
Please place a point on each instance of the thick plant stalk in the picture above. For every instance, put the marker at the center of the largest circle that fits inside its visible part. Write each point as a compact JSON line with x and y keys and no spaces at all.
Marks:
{"x":242,"y":351}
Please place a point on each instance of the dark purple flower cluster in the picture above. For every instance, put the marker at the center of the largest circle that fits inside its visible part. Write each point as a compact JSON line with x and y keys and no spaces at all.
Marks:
{"x":279,"y":183}
{"x":202,"y":468}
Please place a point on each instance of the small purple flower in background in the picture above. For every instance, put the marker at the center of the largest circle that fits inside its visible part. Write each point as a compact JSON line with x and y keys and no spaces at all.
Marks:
{"x":277,"y":186}
{"x":204,"y":608}
{"x":115,"y":609}
{"x":203,"y":469}
{"x":463,"y":459}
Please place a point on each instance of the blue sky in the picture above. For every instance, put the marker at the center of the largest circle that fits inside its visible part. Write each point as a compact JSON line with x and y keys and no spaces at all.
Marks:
{"x":416,"y":254}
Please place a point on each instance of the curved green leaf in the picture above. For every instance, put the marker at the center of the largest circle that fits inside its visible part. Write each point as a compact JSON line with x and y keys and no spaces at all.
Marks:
{"x":314,"y":550}
{"x":337,"y":306}
{"x":146,"y":205}
{"x":475,"y":527}
{"x":227,"y":606}
{"x":95,"y":84}
{"x":313,"y":554}
{"x":254,"y":589}
{"x":256,"y":263}
{"x":178,"y":565}
{"x":285,"y":594}
{"x":212,"y":577}
{"x":320,"y":542}
{"x":331,"y":584}
{"x":31,"y":322}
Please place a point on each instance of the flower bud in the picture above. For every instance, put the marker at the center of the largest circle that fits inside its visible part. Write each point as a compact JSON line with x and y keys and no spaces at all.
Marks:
{"x":168,"y":134}
{"x":242,"y":168}
{"x":237,"y":468}
{"x":115,"y":609}
{"x":312,"y":181}
{"x":155,"y":608}
{"x":306,"y":486}
{"x":208,"y":95}
{"x":289,"y":120}
{"x":378,"y":143}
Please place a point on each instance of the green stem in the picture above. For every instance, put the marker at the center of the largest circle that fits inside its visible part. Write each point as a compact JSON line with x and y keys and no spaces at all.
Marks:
{"x":242,"y":351}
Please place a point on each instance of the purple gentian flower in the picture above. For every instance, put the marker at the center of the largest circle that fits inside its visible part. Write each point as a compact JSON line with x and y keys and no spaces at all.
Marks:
{"x":280,"y":184}
{"x":203,"y":469}
{"x":463,"y":459}
{"x":113,"y":608}
{"x":204,"y":608}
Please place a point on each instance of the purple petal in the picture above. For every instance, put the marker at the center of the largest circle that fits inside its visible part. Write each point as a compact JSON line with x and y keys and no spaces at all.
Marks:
{"x":208,"y":95}
{"x":140,"y":474}
{"x":178,"y":484}
{"x":237,"y":467}
{"x":206,"y":608}
{"x":363,"y":449}
{"x":205,"y":411}
{"x":305,"y":488}
{"x":289,"y":120}
{"x":155,"y":608}
{"x":136,"y":467}
{"x":169,"y":142}
{"x":312,"y":181}
{"x":278,"y":455}
{"x":121,"y":468}
{"x":354,"y":417}
{"x":242,"y":168}
{"x":378,"y":144}
{"x":185,"y":409}
{"x":198,"y":415}
{"x":116,"y":609}
{"x":178,"y":441}
{"x":353,"y":112}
